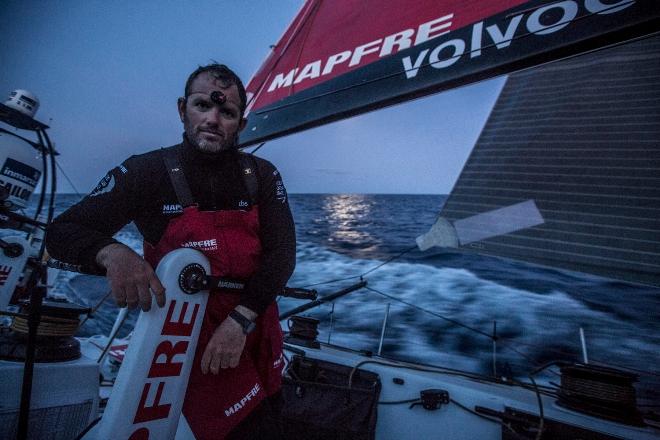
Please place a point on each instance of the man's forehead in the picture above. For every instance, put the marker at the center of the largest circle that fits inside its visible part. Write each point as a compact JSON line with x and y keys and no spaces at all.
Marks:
{"x":205,"y":79}
{"x":206,"y":84}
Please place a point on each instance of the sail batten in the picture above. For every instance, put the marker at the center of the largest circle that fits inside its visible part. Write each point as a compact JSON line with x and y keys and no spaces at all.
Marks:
{"x":600,"y":205}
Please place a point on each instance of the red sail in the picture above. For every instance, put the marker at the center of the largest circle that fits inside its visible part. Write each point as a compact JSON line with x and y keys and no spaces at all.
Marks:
{"x":340,"y":58}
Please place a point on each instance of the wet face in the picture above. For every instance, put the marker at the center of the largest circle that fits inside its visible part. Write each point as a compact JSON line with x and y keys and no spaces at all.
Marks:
{"x":211,"y":120}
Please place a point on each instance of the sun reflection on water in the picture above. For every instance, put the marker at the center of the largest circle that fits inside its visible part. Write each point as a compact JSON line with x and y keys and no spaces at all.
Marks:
{"x":346,"y":215}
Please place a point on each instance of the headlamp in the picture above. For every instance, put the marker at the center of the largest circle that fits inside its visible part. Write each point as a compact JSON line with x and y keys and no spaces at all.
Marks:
{"x":218,"y":97}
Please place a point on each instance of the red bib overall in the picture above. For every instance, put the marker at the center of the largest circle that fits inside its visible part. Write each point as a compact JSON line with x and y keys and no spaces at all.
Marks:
{"x":215,"y":404}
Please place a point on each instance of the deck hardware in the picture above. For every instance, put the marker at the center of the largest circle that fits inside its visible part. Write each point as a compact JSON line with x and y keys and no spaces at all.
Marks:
{"x":583,"y":342}
{"x":494,"y":338}
{"x":398,"y":380}
{"x":382,"y":330}
{"x":325,"y":299}
{"x":192,"y":278}
{"x":303,"y":330}
{"x":12,"y":250}
{"x":432,"y":399}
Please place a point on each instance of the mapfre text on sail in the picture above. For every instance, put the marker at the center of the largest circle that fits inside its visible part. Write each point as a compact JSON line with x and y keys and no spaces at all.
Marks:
{"x":501,"y":35}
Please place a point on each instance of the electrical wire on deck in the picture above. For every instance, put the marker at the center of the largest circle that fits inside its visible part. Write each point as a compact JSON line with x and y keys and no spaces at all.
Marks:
{"x":458,"y":404}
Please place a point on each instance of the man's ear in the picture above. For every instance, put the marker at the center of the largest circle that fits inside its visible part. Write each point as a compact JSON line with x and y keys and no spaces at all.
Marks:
{"x":241,"y":125}
{"x":181,"y":106}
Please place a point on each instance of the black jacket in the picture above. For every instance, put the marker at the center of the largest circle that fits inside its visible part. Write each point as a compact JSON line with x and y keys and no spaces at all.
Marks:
{"x":140,"y":190}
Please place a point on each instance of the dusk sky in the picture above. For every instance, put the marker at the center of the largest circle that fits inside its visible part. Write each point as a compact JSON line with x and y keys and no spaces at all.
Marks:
{"x":108,"y":74}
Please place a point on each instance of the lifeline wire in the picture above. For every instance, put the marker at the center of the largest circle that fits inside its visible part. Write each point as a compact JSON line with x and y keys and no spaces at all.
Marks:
{"x":389,"y":260}
{"x":437,"y":315}
{"x":489,"y":336}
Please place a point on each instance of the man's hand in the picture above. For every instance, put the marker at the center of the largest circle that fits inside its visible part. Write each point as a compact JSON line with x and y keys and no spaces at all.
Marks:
{"x":130,"y":277}
{"x":226,"y":345}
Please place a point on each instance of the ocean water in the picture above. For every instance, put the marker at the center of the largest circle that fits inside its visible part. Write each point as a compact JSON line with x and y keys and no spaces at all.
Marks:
{"x":538,"y":312}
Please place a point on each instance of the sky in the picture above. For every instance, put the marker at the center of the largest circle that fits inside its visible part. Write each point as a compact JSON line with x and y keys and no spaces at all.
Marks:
{"x":108,"y":73}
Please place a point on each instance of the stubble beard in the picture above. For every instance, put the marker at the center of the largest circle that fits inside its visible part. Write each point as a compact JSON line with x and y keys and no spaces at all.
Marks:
{"x":196,"y":138}
{"x":209,"y":146}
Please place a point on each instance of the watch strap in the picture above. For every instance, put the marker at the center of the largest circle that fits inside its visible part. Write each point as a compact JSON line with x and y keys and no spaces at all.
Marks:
{"x":243,"y":321}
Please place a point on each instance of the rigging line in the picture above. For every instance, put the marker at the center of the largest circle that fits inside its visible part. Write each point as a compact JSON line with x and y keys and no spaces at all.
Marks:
{"x":331,"y":281}
{"x":460,"y":405}
{"x":465,"y":408}
{"x":527,"y":358}
{"x":59,"y":167}
{"x":453,"y":321}
{"x":398,"y":402}
{"x":389,"y":260}
{"x":489,"y":46}
{"x":541,"y":417}
{"x":257,"y":149}
{"x":95,"y":308}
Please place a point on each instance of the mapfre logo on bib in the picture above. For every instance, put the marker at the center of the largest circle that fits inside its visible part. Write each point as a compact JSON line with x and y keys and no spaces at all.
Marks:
{"x":204,"y":245}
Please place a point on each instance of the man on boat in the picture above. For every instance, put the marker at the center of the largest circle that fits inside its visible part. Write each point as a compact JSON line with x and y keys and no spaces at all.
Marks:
{"x":205,"y":194}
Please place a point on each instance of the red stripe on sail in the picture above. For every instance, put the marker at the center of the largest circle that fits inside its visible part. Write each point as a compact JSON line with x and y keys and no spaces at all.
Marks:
{"x":330,"y":38}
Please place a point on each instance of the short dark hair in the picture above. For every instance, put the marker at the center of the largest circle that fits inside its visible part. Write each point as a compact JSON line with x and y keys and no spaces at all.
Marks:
{"x":223,"y":74}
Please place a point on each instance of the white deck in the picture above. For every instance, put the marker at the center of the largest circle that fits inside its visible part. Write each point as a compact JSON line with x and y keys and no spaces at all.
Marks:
{"x":398,"y":422}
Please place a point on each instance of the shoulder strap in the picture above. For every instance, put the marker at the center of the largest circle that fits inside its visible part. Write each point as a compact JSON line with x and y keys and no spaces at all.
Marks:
{"x":178,"y":179}
{"x":249,"y":172}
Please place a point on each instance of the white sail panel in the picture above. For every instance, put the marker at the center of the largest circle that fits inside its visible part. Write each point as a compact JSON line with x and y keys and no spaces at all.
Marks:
{"x":581,"y":138}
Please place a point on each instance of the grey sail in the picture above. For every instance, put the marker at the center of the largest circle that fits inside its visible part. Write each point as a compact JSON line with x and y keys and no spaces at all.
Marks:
{"x":566,"y":172}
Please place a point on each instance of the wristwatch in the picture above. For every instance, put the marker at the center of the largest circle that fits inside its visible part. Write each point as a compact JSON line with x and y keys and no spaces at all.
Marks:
{"x":247,"y":325}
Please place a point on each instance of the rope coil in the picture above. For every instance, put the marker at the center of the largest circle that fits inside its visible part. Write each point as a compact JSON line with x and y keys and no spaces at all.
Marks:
{"x":48,"y":326}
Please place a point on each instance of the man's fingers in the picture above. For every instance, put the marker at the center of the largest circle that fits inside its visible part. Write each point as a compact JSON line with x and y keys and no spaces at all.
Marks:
{"x":144,"y":297}
{"x":157,"y":288}
{"x":132,"y":297}
{"x":120,"y":299}
{"x":206,"y":359}
{"x":216,"y":363}
{"x":233,"y":361}
{"x":118,"y":294}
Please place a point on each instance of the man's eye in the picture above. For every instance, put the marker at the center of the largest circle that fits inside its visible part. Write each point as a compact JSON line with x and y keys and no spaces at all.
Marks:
{"x":202,"y":105}
{"x":228,"y":113}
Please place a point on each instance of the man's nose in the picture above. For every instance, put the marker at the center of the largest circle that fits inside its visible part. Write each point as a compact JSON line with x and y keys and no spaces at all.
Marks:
{"x":213,"y":116}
